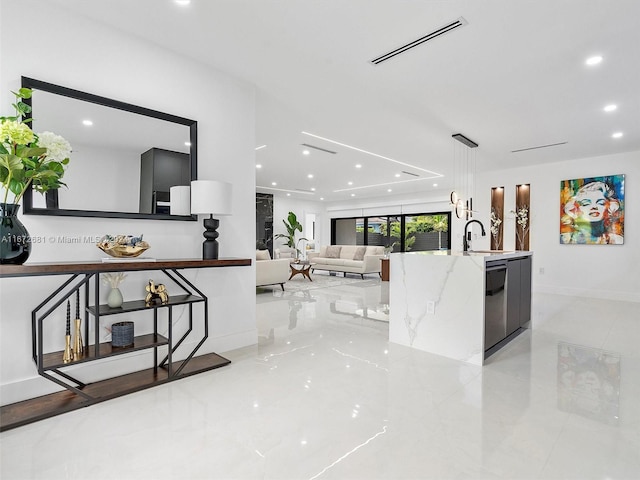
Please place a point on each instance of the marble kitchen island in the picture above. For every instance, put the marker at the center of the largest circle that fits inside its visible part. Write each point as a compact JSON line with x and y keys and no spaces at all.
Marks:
{"x":437,"y":300}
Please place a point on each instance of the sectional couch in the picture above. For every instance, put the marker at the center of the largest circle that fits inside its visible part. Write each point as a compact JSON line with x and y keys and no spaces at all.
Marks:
{"x":347,"y":259}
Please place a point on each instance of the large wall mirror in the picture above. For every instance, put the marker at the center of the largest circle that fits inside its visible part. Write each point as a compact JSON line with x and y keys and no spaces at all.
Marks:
{"x":125,"y":158}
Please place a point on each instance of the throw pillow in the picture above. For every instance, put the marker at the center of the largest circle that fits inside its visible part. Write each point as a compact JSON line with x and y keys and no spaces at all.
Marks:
{"x":333,"y":251}
{"x":263,"y":255}
{"x":359,"y":255}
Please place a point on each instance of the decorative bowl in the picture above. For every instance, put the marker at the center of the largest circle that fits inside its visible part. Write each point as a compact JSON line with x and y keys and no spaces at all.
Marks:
{"x":122,"y":246}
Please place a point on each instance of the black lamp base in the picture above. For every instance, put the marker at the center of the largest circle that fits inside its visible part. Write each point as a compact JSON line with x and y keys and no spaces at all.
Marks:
{"x":210,"y":245}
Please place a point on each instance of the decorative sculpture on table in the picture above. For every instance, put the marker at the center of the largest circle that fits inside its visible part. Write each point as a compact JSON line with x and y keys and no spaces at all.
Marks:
{"x":67,"y":355}
{"x":122,"y":246}
{"x":156,"y":292}
{"x":78,"y":347}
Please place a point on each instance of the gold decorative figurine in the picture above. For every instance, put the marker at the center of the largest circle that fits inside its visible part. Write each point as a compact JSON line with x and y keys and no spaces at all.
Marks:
{"x":67,"y":355}
{"x":156,"y":292}
{"x":78,"y":347}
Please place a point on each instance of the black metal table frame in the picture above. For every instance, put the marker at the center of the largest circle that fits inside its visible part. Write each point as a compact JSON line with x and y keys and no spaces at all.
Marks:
{"x":37,"y":326}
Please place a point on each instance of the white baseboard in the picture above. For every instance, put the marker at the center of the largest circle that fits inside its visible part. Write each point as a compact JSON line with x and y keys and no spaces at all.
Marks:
{"x":580,"y":292}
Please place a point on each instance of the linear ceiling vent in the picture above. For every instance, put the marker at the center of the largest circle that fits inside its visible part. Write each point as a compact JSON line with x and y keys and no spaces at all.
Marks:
{"x":539,"y":146}
{"x":460,"y":22}
{"x":318,"y":148}
{"x":409,"y":173}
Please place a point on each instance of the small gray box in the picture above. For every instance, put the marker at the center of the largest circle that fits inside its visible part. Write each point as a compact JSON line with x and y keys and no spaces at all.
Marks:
{"x":122,"y":334}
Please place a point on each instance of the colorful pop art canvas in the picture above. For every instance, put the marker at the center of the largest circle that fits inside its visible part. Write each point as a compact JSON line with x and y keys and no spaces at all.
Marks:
{"x":592,"y":210}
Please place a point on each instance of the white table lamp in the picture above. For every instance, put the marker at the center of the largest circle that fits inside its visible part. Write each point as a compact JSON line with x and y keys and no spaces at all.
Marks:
{"x":210,"y":197}
{"x":179,"y":200}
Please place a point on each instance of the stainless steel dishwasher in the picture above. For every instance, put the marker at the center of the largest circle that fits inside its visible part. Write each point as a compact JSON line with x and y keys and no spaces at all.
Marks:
{"x":495,"y":303}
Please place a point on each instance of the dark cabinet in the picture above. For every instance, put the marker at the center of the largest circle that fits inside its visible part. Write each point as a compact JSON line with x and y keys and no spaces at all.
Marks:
{"x":159,"y":171}
{"x":507,"y":299}
{"x":525,"y":292}
{"x":518,"y":293}
{"x":495,"y":303}
{"x":514,"y":291}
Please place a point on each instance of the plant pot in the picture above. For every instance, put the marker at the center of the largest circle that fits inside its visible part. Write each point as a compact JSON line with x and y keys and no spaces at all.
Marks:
{"x":15,"y":242}
{"x":122,"y":334}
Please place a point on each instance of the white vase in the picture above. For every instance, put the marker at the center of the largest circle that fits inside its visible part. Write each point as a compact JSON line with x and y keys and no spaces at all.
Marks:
{"x":114,"y":299}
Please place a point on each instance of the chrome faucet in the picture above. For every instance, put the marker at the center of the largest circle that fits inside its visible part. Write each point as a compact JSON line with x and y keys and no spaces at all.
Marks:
{"x":467,"y":236}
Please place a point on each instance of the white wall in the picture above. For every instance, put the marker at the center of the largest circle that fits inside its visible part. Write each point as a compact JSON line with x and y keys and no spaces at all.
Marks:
{"x":597,"y":271}
{"x":69,"y":50}
{"x":282,"y":205}
{"x":112,"y":168}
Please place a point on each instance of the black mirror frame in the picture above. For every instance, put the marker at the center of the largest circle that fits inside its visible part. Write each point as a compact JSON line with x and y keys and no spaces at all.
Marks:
{"x":28,"y":208}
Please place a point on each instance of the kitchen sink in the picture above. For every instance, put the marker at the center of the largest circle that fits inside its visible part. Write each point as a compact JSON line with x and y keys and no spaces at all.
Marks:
{"x":490,"y":251}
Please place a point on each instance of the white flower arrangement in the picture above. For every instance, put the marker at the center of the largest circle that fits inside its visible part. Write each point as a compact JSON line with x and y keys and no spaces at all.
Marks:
{"x":496,"y":221}
{"x":58,"y":149}
{"x":113,"y":279}
{"x":29,"y":160}
{"x":522,"y":219}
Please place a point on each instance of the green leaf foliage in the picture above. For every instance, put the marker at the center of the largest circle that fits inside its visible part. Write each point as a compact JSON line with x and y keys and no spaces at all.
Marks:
{"x":23,"y":166}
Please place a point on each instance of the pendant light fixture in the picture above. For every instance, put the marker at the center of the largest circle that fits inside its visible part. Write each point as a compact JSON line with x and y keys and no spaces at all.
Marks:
{"x":464,"y":173}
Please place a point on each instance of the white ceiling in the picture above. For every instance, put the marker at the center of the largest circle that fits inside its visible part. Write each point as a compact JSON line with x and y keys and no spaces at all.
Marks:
{"x":513,"y":78}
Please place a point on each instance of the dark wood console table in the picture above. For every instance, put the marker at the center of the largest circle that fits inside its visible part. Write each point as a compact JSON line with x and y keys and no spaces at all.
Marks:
{"x":50,"y":365}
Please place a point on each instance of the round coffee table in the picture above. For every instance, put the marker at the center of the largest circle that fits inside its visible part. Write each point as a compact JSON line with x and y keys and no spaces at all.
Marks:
{"x":302,"y":267}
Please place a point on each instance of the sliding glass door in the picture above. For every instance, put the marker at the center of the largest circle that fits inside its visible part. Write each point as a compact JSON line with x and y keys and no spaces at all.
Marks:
{"x":402,"y":233}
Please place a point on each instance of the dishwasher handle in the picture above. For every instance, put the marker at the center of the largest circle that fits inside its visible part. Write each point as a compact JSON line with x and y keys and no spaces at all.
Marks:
{"x":499,"y":265}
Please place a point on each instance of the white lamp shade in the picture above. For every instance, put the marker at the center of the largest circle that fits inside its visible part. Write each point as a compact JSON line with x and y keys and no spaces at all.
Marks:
{"x":180,"y":200}
{"x":210,"y":197}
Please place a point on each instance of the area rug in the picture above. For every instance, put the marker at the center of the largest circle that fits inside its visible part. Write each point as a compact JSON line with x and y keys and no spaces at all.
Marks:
{"x":321,"y":280}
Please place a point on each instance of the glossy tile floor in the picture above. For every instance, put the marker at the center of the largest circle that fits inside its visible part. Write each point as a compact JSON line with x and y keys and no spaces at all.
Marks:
{"x":324,"y":395}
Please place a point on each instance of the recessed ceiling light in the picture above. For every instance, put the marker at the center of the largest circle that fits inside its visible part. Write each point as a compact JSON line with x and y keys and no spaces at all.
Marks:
{"x":274,"y":183}
{"x":358,"y":166}
{"x":389,"y":190}
{"x":310,"y":175}
{"x":306,"y":152}
{"x":435,"y":184}
{"x":313,"y":189}
{"x":610,"y":108}
{"x":349,"y":183}
{"x":258,"y":166}
{"x":260,"y":147}
{"x":182,"y":3}
{"x":617,"y":135}
{"x":288,"y":194}
{"x":397,"y":175}
{"x":188,"y":144}
{"x":595,"y":60}
{"x":321,"y":198}
{"x":353,"y":194}
{"x":88,"y":123}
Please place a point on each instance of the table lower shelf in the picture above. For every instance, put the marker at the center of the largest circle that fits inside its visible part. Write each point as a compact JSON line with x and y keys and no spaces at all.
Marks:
{"x":39,"y":408}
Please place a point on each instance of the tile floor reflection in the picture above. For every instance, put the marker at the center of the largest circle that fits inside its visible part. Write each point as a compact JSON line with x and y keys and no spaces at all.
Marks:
{"x":324,"y":395}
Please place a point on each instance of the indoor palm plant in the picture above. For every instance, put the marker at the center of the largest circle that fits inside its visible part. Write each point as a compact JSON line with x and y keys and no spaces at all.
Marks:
{"x":292,"y":227}
{"x":27,"y":160}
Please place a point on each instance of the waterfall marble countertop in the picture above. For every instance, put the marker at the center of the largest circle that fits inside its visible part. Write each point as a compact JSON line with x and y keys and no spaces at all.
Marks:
{"x":436,"y":301}
{"x":486,"y":254}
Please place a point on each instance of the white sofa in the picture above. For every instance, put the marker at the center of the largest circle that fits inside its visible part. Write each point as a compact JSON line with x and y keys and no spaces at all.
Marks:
{"x":271,"y":272}
{"x":348,"y":259}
